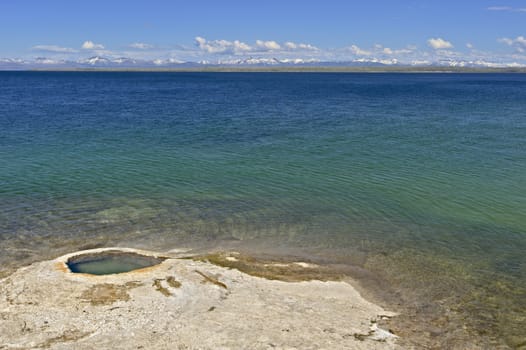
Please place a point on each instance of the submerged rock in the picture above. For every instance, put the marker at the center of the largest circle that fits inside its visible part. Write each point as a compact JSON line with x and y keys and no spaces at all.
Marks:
{"x":182,"y":303}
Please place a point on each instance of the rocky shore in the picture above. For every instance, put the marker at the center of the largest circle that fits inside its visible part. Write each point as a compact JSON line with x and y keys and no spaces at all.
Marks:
{"x":187,"y":303}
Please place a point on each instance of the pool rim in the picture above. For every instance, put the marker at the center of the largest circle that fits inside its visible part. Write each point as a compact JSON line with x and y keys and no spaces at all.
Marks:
{"x":61,"y":263}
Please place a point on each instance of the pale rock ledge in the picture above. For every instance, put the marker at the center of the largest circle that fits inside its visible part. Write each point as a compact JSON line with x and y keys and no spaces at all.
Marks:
{"x":182,"y":304}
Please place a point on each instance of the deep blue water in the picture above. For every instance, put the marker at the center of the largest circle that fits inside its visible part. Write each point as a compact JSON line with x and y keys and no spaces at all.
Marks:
{"x":420,"y":178}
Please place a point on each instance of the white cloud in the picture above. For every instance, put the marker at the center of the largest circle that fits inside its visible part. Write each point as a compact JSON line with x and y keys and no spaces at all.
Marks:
{"x":90,"y":45}
{"x":239,"y":47}
{"x":53,"y":48}
{"x":506,"y":8}
{"x":438,"y":51}
{"x":406,"y":51}
{"x":499,"y":8}
{"x":420,"y":62}
{"x":171,"y":60}
{"x":376,"y":60}
{"x":222,"y":46}
{"x":447,"y":53}
{"x":379,"y":49}
{"x":268,"y":45}
{"x":294,"y":46}
{"x":439,"y":43}
{"x":377,"y":52}
{"x":355,"y":50}
{"x":519,"y":43}
{"x":140,"y":46}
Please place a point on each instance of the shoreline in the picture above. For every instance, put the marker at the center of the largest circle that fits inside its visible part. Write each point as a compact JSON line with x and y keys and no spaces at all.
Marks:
{"x":281,"y":69}
{"x":46,"y":305}
{"x":414,"y":322}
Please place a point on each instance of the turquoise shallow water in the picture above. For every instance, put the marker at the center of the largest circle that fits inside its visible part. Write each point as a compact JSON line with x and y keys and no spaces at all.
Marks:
{"x":419,"y":178}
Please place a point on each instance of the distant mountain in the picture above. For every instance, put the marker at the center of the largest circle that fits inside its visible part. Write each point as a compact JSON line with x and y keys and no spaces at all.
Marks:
{"x":250,"y":62}
{"x":126,"y":62}
{"x":105,"y":62}
{"x":96,"y":61}
{"x":477,"y":64}
{"x":12,"y":64}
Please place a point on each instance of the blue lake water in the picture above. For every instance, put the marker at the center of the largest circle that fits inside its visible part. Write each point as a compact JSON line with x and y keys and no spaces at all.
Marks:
{"x":419,"y":179}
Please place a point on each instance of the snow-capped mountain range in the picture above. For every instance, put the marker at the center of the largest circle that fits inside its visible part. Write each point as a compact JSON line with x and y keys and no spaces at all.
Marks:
{"x":125,"y":62}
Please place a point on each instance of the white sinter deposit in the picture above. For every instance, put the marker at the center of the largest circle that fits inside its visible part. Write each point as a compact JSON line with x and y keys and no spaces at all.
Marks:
{"x":182,"y":304}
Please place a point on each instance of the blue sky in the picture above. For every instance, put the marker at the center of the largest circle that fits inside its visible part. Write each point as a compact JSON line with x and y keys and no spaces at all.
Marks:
{"x":404,"y":31}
